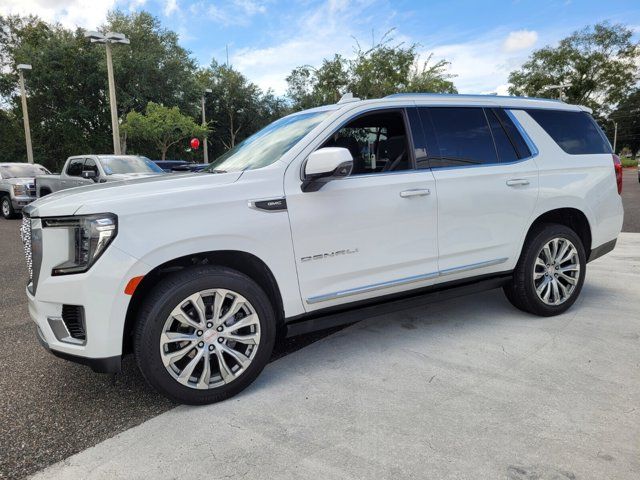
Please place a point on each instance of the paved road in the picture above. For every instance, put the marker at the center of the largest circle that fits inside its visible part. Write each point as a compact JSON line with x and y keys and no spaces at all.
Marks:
{"x":465,"y":389}
{"x":631,"y":200}
{"x":51,"y":409}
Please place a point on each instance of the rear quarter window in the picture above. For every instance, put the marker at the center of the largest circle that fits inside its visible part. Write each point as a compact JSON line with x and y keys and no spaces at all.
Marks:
{"x":576,"y":133}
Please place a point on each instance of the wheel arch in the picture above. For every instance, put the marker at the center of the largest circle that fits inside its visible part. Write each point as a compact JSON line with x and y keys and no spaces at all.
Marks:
{"x":573,"y":218}
{"x":241,"y":261}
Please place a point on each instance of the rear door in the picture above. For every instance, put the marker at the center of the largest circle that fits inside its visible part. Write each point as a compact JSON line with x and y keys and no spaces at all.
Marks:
{"x":487,"y":182}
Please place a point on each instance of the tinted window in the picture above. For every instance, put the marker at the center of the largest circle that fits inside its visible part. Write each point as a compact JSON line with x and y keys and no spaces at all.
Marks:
{"x":506,"y":150}
{"x":377,"y":141}
{"x":463,"y":136}
{"x":575,"y":132}
{"x":512,"y":132}
{"x":433,"y":151}
{"x":75,"y":167}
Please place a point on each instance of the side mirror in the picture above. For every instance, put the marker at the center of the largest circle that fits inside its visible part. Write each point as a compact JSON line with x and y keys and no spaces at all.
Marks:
{"x":324,"y":165}
{"x":90,"y":174}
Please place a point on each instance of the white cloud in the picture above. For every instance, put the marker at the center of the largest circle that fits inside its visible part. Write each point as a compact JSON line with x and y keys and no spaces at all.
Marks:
{"x":311,"y":37}
{"x":520,"y":40}
{"x":170,"y":7}
{"x":231,"y":12}
{"x":482,"y":65}
{"x":70,"y":13}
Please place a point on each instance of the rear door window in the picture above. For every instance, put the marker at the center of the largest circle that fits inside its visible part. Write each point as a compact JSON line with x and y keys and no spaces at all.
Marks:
{"x":463,"y":137}
{"x":575,"y":132}
{"x":505,"y":148}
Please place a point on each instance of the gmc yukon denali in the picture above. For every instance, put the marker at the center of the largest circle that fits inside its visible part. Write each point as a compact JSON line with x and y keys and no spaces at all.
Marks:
{"x":322,"y":218}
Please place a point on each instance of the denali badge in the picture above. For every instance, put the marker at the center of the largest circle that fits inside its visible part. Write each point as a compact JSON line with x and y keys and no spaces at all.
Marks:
{"x":322,"y":256}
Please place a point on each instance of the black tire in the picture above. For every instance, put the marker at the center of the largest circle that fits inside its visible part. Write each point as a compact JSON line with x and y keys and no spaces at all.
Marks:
{"x":7,"y":208}
{"x":159,"y":303}
{"x":521,"y":290}
{"x":44,"y":192}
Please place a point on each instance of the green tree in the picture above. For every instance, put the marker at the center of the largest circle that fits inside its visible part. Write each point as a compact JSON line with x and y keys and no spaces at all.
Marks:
{"x":162,"y":126}
{"x":627,"y":116}
{"x":598,"y":63}
{"x":236,"y":107}
{"x":384,"y":69}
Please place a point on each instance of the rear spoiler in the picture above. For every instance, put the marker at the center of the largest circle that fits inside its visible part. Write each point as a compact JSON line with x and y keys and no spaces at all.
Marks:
{"x":585,"y":109}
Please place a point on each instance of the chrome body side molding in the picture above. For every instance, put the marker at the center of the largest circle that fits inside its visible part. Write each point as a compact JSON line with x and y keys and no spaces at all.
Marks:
{"x":403,"y":281}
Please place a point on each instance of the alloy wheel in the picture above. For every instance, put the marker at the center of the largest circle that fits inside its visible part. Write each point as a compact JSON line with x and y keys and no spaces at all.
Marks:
{"x":556,"y":271}
{"x":210,"y":338}
{"x":6,"y":208}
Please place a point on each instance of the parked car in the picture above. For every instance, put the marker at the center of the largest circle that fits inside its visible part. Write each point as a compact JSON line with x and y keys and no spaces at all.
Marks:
{"x":82,"y":170}
{"x":314,"y":219}
{"x":170,"y":166}
{"x":16,"y":186}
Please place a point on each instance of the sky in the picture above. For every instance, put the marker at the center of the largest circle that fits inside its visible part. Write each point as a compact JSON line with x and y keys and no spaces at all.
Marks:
{"x":266,"y":39}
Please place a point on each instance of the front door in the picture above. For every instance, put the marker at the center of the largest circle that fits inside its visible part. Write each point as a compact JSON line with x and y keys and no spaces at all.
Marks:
{"x":374,"y":232}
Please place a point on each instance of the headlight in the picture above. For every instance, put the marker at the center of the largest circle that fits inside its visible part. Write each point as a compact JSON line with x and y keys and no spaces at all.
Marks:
{"x":19,"y":190}
{"x":89,"y":236}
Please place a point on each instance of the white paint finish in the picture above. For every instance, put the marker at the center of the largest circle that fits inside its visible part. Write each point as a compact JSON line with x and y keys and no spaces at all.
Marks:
{"x":481,"y":217}
{"x":385,"y":236}
{"x":468,"y":388}
{"x":583,"y":182}
{"x":326,"y":160}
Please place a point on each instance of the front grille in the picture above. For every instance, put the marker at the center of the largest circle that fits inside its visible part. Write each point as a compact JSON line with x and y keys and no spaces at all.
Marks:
{"x":25,"y":233}
{"x":73,"y":318}
{"x":31,"y":188}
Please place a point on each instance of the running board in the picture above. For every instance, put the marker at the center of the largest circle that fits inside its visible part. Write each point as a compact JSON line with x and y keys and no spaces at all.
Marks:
{"x":357,"y":311}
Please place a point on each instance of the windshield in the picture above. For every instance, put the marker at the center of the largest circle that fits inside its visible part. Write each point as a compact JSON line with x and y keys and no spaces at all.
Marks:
{"x":22,"y":171}
{"x":115,"y":165}
{"x":269,"y":144}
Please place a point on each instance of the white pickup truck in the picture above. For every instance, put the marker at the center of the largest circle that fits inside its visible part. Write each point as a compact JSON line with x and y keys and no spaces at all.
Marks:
{"x":89,"y":169}
{"x":326,"y":216}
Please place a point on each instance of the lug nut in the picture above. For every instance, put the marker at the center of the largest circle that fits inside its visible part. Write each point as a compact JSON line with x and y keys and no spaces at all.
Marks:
{"x":219,"y":328}
{"x":209,"y":324}
{"x":201,"y":344}
{"x":220,"y":339}
{"x":199,"y":333}
{"x":211,"y":347}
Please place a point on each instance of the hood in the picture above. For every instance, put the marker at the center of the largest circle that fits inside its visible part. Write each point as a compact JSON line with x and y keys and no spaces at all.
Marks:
{"x":114,"y":196}
{"x":19,"y":181}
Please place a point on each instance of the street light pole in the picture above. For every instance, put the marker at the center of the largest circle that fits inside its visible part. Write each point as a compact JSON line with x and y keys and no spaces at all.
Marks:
{"x":25,"y":112}
{"x":204,"y":124}
{"x":108,"y":39}
{"x":560,"y":89}
{"x":115,"y":127}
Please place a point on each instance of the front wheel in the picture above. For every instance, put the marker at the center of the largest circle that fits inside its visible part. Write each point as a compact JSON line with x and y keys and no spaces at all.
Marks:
{"x":204,"y":334}
{"x":550,"y":272}
{"x":7,"y":208}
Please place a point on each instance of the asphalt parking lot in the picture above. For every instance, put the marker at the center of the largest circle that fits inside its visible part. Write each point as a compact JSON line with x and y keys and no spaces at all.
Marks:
{"x":51,"y":409}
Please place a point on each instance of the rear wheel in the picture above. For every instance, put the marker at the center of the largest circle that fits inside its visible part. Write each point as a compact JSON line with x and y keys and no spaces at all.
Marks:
{"x":550,"y":272}
{"x":204,"y":334}
{"x":7,"y":208}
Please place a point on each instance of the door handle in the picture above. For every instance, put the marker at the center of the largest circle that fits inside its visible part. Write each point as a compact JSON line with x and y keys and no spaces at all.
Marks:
{"x":415,"y":192}
{"x":517,"y":182}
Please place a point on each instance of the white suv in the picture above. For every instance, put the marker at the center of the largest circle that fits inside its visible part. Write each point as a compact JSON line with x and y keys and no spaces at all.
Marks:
{"x":315,"y":217}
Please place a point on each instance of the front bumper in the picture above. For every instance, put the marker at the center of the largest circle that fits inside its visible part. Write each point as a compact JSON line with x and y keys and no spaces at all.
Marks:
{"x":20,"y":202}
{"x":98,"y":365}
{"x":100,"y":293}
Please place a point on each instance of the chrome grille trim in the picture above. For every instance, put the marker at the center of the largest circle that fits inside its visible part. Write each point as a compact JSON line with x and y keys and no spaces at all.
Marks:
{"x":25,"y":234}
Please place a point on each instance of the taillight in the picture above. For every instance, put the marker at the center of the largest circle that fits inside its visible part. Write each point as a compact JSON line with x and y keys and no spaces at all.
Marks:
{"x":617,"y":165}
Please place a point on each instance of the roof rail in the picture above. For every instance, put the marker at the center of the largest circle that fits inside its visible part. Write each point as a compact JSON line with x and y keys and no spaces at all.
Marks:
{"x":420,"y":94}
